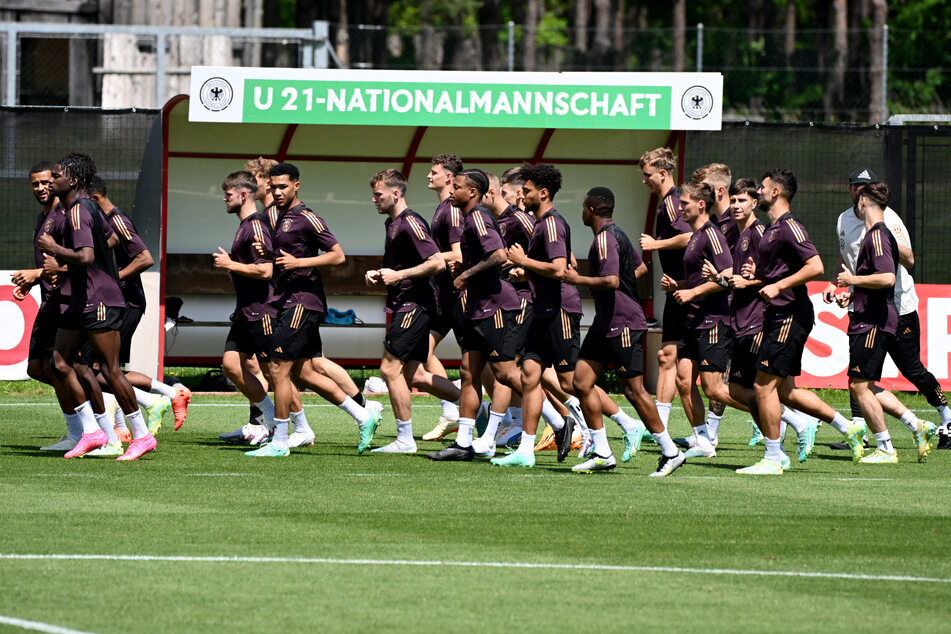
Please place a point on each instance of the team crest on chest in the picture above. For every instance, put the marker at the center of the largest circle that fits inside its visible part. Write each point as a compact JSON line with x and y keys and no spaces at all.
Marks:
{"x":502,"y":229}
{"x":745,"y":245}
{"x":48,"y":226}
{"x":286,"y":225}
{"x":392,"y":232}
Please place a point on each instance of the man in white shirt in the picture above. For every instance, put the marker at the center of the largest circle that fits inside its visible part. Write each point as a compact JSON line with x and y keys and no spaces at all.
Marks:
{"x":906,"y":352}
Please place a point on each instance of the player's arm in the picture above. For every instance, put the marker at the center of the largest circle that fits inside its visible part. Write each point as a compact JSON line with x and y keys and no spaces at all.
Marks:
{"x":595,"y":283}
{"x":432,"y":265}
{"x":706,"y":288}
{"x":554,"y":269}
{"x":640,"y":270}
{"x":496,"y":258}
{"x":253,"y":270}
{"x":333,"y":257}
{"x":679,"y":241}
{"x":906,"y":257}
{"x":112,"y":240}
{"x":453,"y":255}
{"x":810,"y":270}
{"x":828,"y":293}
{"x":26,"y":277}
{"x":81,"y":256}
{"x":141,"y":262}
{"x":876,"y":280}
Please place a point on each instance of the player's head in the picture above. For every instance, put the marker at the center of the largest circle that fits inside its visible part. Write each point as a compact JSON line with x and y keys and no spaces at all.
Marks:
{"x":239,"y":187}
{"x":718,"y":176}
{"x":41,"y":175}
{"x":76,"y":169}
{"x":285,"y":183}
{"x":96,"y":187}
{"x":873,"y":196}
{"x":658,"y":168}
{"x":443,"y":171}
{"x":858,"y":178}
{"x":743,"y":197}
{"x":696,"y":199}
{"x":469,"y":185}
{"x":777,"y":183}
{"x":510,"y":186}
{"x":493,"y":194}
{"x":261,"y":168}
{"x":542,"y":182}
{"x":599,"y":201}
{"x":389,"y":187}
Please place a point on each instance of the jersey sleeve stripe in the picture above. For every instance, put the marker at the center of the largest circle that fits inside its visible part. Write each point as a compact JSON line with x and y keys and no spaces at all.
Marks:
{"x":122,"y":228}
{"x":417,"y":230}
{"x":796,"y":228}
{"x":480,"y":224}
{"x":671,"y":212}
{"x":714,"y":241}
{"x":526,"y":221}
{"x":552,"y":230}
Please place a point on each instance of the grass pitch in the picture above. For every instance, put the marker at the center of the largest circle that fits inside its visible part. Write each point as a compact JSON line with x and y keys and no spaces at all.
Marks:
{"x":327,"y":540}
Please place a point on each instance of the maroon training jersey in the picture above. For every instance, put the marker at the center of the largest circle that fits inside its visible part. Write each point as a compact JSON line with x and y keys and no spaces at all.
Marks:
{"x":516,"y":227}
{"x":746,"y":306}
{"x":728,"y":227}
{"x":875,"y":307}
{"x":129,"y":246}
{"x":614,"y":309}
{"x":409,"y":244}
{"x":97,"y":282}
{"x":51,"y":223}
{"x":486,"y":292}
{"x":550,"y":242}
{"x":670,"y":223}
{"x":251,"y":295}
{"x":446,"y":231}
{"x":783,"y":250}
{"x":302,"y":233}
{"x":704,"y":312}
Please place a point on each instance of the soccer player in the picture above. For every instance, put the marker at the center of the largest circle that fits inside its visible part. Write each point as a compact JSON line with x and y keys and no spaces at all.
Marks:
{"x":52,"y":302}
{"x":553,"y":335}
{"x":490,"y":307}
{"x":252,"y":326}
{"x":410,"y":260}
{"x":95,"y":310}
{"x":905,"y":348}
{"x":301,"y":245}
{"x":615,"y":338}
{"x":672,"y":236}
{"x":873,"y":322}
{"x":787,"y":260}
{"x":446,"y":233}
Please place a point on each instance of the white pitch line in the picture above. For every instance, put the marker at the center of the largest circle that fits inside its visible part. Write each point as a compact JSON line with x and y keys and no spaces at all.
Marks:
{"x":217,"y":475}
{"x":473,"y":564}
{"x":37,"y":626}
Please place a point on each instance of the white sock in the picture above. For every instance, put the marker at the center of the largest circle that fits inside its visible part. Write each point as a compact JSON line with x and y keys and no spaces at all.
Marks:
{"x":106,"y":425}
{"x":663,"y":410}
{"x":74,"y":428}
{"x":160,"y":387}
{"x":464,"y":435}
{"x":626,"y":422}
{"x":666,"y":444}
{"x":601,"y":446}
{"x":144,"y":399}
{"x":574,"y":406}
{"x":884,"y":441}
{"x":910,"y":420}
{"x":279,"y":440}
{"x":945,"y":413}
{"x":713,"y":424}
{"x":267,"y":409}
{"x":526,"y":446}
{"x":300,"y":421}
{"x":700,"y":431}
{"x":782,"y":431}
{"x":359,"y":414}
{"x":551,"y":416}
{"x":137,"y":424}
{"x":795,"y":419}
{"x":404,"y":431}
{"x":841,"y":423}
{"x":87,"y":418}
{"x":449,"y":410}
{"x":774,"y":450}
{"x":491,"y":427}
{"x":119,"y":421}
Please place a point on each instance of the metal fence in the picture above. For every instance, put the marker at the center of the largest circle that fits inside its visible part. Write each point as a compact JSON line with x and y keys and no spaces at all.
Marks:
{"x":769,"y":75}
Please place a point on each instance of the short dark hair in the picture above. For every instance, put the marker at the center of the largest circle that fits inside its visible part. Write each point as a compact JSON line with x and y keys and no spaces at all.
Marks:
{"x":285,"y":169}
{"x":744,"y":186}
{"x":878,"y":193}
{"x":96,"y":186}
{"x":785,"y":179}
{"x":600,"y":200}
{"x":79,"y":166}
{"x":476,"y":178}
{"x":513,"y":176}
{"x":451,"y":162}
{"x":544,"y":175}
{"x":242,"y":179}
{"x":42,"y":166}
{"x":390,"y":178}
{"x":700,"y":191}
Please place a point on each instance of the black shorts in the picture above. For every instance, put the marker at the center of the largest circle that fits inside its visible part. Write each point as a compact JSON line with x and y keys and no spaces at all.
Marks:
{"x":673,"y":320}
{"x":449,"y":318}
{"x":711,"y":348}
{"x":520,"y":326}
{"x":624,"y":353}
{"x":43,"y":335}
{"x":494,"y":336}
{"x":407,"y":337}
{"x":297,"y":335}
{"x":783,"y":343}
{"x":130,"y":321}
{"x":745,"y":359}
{"x":554,"y":340}
{"x":252,"y":337}
{"x":103,"y":318}
{"x":867,"y":352}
